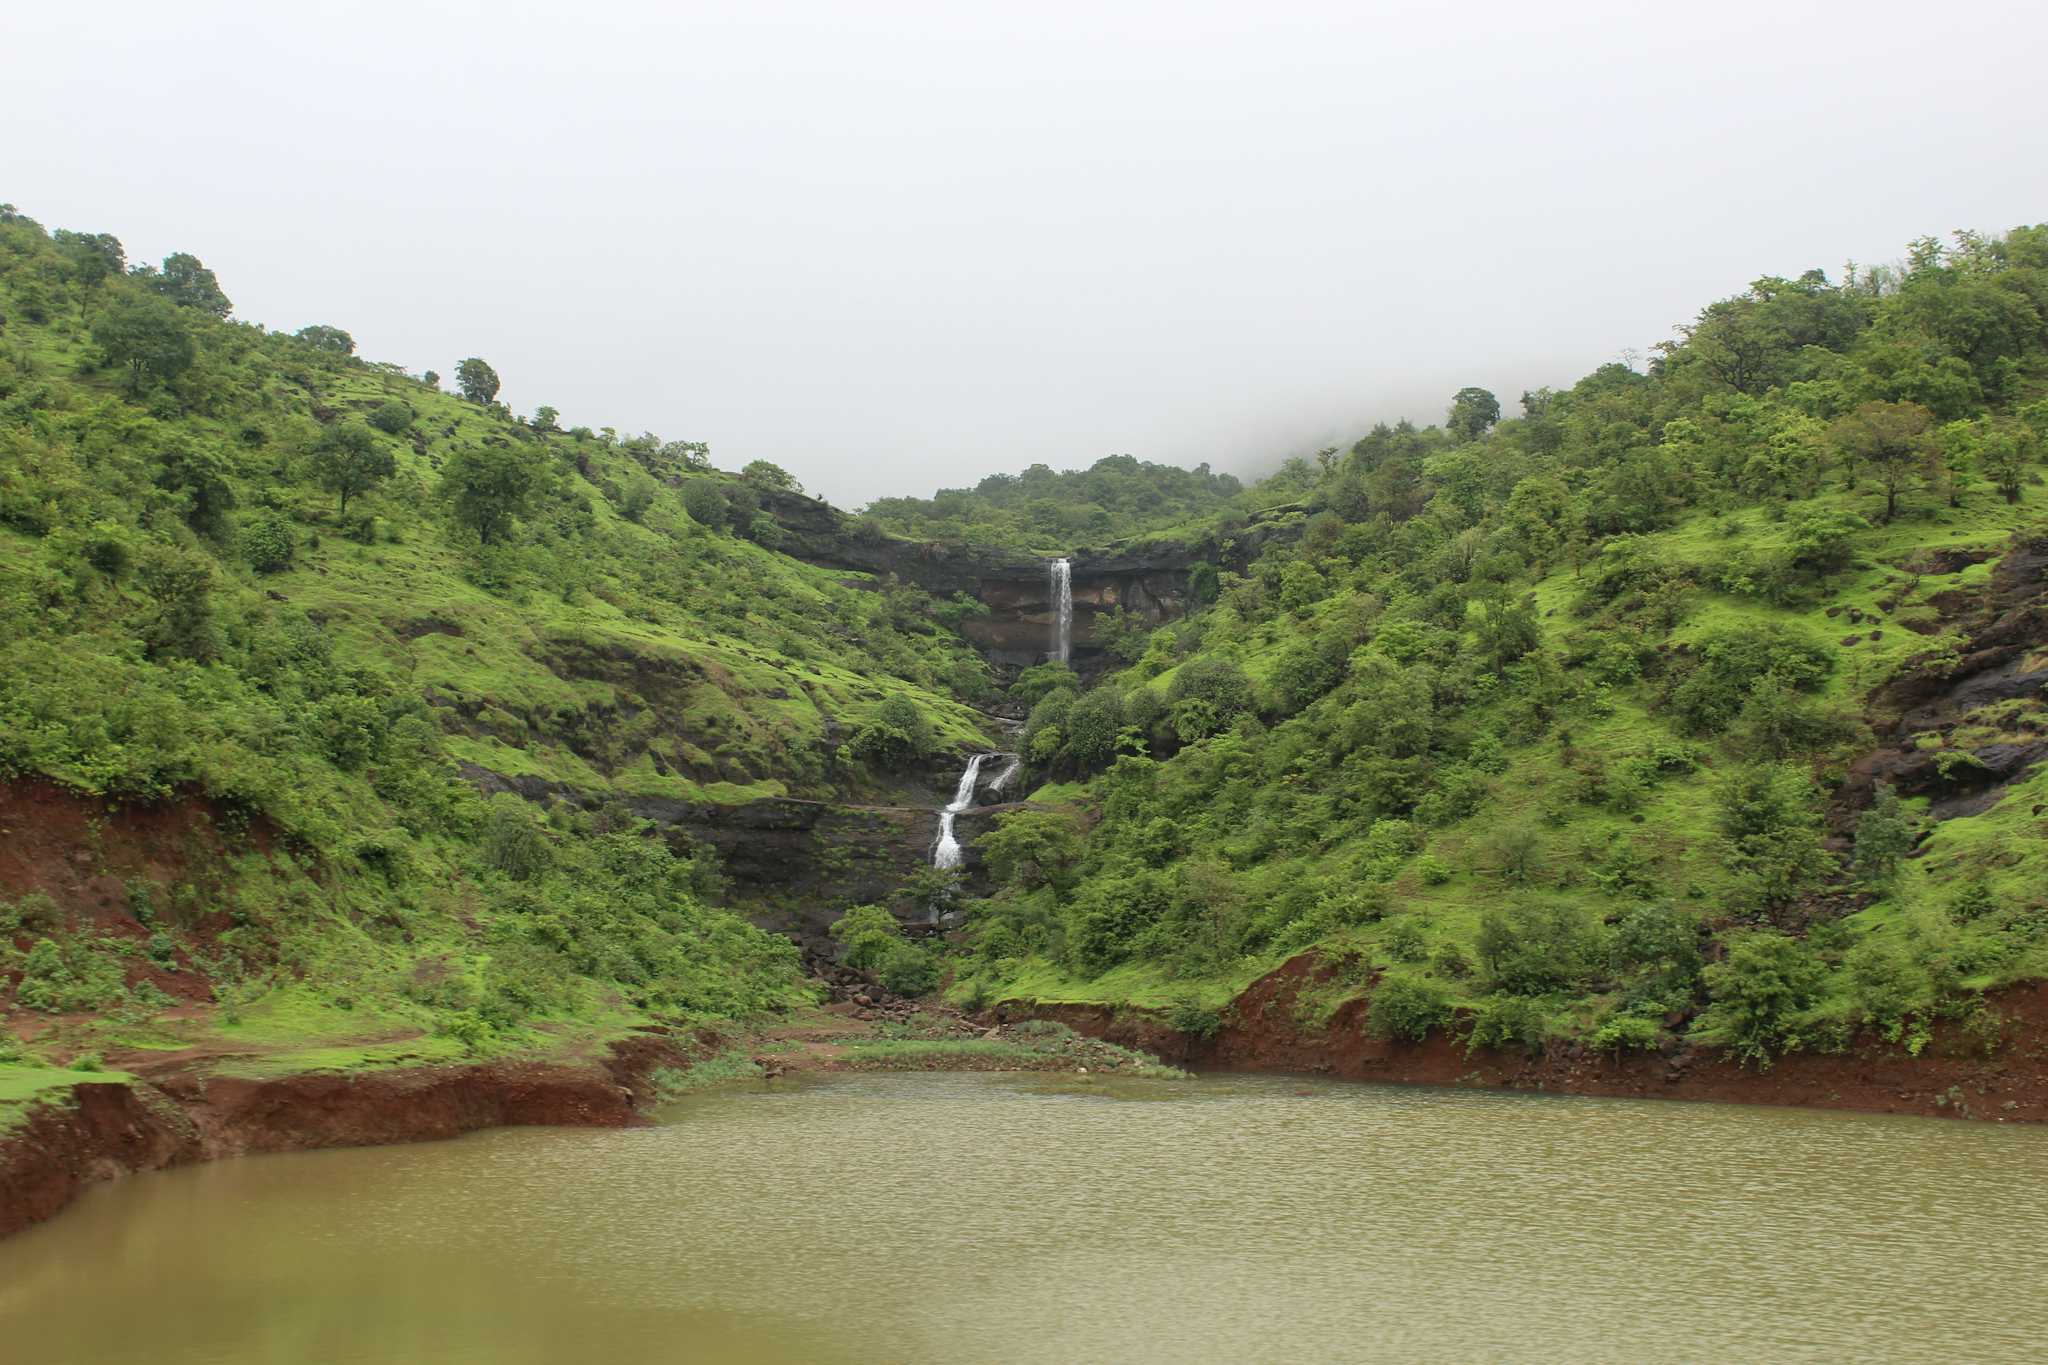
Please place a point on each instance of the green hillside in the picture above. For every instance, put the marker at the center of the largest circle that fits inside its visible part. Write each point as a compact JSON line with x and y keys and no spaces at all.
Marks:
{"x":1563,"y":724}
{"x":314,"y":603}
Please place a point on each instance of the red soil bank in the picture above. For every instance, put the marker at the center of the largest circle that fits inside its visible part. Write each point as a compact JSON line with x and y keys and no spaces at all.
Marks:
{"x":1952,"y":1076}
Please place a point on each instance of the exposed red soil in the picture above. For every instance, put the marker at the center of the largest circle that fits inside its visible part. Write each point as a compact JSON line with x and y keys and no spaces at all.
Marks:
{"x":84,"y":854}
{"x":110,"y":1130}
{"x":1952,"y":1077}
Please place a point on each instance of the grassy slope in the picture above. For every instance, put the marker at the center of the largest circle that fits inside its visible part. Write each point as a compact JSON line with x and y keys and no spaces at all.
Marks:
{"x":589,"y":648}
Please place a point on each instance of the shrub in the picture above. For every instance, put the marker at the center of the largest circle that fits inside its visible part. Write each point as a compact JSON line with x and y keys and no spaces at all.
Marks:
{"x":1405,"y":941}
{"x":1732,"y":661}
{"x":898,"y":733}
{"x":706,"y":504}
{"x":867,"y":934}
{"x":1884,"y":836}
{"x":391,"y":417}
{"x":1218,"y":682}
{"x":1507,"y":1021}
{"x":909,"y":970}
{"x":1767,"y":980}
{"x":512,"y":843}
{"x":267,"y":543}
{"x":1628,"y":1032}
{"x":1191,"y":1017}
{"x":1407,"y":1007}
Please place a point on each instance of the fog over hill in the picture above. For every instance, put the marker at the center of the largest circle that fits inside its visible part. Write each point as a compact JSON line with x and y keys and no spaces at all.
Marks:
{"x":908,"y":244}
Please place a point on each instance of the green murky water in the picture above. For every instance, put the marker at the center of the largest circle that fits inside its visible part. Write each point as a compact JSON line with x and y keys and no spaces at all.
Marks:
{"x":1021,"y":1219}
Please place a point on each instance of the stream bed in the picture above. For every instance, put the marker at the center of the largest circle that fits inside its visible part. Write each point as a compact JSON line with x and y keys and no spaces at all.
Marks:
{"x":1027,"y":1218}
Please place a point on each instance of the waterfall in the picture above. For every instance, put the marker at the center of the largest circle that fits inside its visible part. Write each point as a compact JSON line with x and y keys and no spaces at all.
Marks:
{"x":1002,"y":779}
{"x":946,"y":853}
{"x":1062,"y":573}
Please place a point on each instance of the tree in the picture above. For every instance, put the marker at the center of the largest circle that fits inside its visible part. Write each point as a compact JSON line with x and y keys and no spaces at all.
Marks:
{"x":477,"y":380}
{"x":180,"y":583}
{"x":349,"y":459}
{"x":705,"y":503}
{"x":1892,"y":438}
{"x":770,"y":476}
{"x":1884,"y":836}
{"x":333,"y":340}
{"x":146,"y":336}
{"x":391,"y":417}
{"x":201,"y":474}
{"x":488,"y":488}
{"x":187,"y":283}
{"x":90,"y":257}
{"x":544,"y":418}
{"x":1473,"y":413}
{"x":866,"y":934}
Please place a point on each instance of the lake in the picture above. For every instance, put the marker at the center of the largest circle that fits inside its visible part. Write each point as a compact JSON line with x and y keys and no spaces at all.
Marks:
{"x":1027,"y":1218}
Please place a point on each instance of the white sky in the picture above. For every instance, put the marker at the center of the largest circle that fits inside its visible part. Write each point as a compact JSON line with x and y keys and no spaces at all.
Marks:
{"x":897,"y":245}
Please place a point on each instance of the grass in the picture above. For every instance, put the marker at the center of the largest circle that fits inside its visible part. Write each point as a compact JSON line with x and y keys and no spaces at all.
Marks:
{"x":24,"y":1089}
{"x":724,"y":1068}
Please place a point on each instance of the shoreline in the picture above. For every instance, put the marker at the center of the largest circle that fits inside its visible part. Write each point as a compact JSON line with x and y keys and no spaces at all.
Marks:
{"x":1954,"y":1076}
{"x":104,"y":1130}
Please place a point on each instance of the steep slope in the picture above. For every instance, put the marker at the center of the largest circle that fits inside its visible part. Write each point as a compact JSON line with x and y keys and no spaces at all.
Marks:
{"x":1691,"y":708}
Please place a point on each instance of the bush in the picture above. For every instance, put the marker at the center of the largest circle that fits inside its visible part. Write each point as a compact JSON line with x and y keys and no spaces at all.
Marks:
{"x":1731,"y":662}
{"x":909,"y":970}
{"x":1407,"y":1007}
{"x":1218,"y":682}
{"x":1507,"y":1021}
{"x":392,"y":417}
{"x":867,"y":935}
{"x":1628,"y":1032}
{"x":705,"y":503}
{"x":1194,"y":1019}
{"x":898,"y":733}
{"x":267,"y":543}
{"x":1767,"y":980}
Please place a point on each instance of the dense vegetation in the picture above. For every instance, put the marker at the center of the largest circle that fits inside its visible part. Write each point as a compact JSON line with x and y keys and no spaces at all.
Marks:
{"x":1535,"y":724}
{"x":1115,"y":498}
{"x":325,"y":601}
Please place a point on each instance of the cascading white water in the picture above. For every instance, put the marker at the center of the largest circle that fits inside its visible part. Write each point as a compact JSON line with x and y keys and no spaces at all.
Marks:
{"x":946,"y":852}
{"x":1002,"y":779}
{"x":1062,"y":576}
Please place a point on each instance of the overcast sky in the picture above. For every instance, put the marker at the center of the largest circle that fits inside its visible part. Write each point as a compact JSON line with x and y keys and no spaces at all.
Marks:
{"x":893,"y":246}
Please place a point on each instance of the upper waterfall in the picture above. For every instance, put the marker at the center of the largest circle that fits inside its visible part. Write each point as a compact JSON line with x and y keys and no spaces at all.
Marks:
{"x":1062,"y":578}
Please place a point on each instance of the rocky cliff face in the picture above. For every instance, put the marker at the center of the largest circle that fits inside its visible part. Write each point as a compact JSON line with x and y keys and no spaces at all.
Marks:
{"x":1148,"y":580}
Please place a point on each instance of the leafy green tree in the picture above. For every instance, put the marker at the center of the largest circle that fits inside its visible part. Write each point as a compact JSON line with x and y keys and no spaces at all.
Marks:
{"x":145,"y":336}
{"x":268,"y":543}
{"x":1407,"y":1007}
{"x":179,"y":584}
{"x":768,"y":475}
{"x":332,"y":340}
{"x":706,"y":504}
{"x":349,"y":460}
{"x":1884,"y":836}
{"x":477,"y":380}
{"x":867,"y":934}
{"x":1758,"y":991}
{"x":545,"y":419}
{"x":1092,"y":726}
{"x":392,"y":417}
{"x":1892,"y":440}
{"x":1219,"y":683}
{"x":1508,"y":627}
{"x":90,"y":258}
{"x":898,"y":733}
{"x":1473,"y":413}
{"x":200,"y":475}
{"x":185,"y":281}
{"x":1770,"y":828}
{"x":488,"y":488}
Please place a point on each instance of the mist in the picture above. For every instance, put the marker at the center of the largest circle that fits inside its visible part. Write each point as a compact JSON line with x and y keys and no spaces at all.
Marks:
{"x":897,"y":246}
